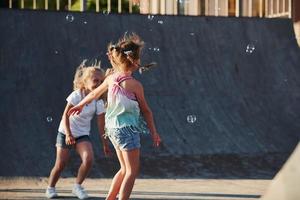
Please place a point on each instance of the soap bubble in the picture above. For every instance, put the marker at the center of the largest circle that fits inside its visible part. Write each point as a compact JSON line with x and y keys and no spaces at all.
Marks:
{"x":191,"y":119}
{"x":49,"y":119}
{"x":106,"y":12}
{"x":156,"y":49}
{"x":150,"y":17}
{"x":250,"y":48}
{"x":69,"y":18}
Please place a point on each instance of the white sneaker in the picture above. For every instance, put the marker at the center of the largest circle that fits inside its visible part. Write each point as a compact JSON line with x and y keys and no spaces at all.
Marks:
{"x":51,"y":192}
{"x":79,"y":191}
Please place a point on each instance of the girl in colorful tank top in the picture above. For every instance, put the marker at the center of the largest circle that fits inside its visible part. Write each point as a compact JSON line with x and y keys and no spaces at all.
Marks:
{"x":126,"y":102}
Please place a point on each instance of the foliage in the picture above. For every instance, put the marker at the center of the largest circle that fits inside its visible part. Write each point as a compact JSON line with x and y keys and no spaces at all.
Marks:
{"x":63,"y":5}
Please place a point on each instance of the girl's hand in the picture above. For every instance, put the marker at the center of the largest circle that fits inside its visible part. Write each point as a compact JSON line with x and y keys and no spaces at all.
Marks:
{"x":107,"y":151}
{"x":70,"y":140}
{"x":156,"y":139}
{"x":75,"y":110}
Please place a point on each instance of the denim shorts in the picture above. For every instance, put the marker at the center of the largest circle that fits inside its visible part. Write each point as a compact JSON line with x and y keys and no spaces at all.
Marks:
{"x":61,"y":140}
{"x":126,"y":138}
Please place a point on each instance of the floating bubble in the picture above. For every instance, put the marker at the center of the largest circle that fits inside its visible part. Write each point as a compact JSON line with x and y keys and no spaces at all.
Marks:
{"x":156,"y":49}
{"x":150,"y":17}
{"x":106,"y":12}
{"x":85,"y":22}
{"x":160,"y":21}
{"x":192,"y":34}
{"x":56,"y":52}
{"x":49,"y":119}
{"x":250,"y":48}
{"x":191,"y":118}
{"x":70,"y":18}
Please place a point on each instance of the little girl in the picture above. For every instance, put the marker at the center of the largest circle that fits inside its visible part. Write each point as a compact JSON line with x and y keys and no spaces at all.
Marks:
{"x":125,"y":102}
{"x":74,"y":131}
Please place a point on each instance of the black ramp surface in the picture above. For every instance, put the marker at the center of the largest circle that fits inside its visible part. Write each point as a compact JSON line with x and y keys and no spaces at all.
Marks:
{"x":244,"y":103}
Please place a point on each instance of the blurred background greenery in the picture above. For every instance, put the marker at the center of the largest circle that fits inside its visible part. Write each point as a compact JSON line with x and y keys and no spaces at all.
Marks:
{"x":75,"y":5}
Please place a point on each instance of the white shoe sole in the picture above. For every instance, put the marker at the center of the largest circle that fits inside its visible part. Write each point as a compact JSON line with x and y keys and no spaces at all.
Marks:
{"x":51,"y":197}
{"x":77,"y":196}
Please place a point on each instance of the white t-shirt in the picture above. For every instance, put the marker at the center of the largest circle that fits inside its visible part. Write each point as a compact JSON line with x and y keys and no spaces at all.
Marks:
{"x":81,"y":124}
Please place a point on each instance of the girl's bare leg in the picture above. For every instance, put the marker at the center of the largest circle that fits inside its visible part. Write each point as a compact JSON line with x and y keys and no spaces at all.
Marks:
{"x":118,"y":178}
{"x":85,"y":150}
{"x":132,"y":164}
{"x":62,"y":157}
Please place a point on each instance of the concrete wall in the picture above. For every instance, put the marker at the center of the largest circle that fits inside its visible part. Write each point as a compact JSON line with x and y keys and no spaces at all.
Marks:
{"x":245,"y":103}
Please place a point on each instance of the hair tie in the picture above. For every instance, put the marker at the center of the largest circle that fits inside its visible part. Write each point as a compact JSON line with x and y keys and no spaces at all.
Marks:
{"x":127,"y":52}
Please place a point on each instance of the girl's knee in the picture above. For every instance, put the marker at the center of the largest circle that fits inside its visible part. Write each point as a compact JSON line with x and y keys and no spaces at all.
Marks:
{"x":88,"y":160}
{"x":132,"y":172}
{"x":59,"y":166}
{"x":122,"y":171}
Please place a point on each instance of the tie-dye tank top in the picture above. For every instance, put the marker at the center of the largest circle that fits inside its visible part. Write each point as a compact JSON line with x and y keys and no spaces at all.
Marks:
{"x":123,"y":108}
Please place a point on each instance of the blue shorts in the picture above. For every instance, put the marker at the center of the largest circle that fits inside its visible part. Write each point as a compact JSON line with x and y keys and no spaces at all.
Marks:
{"x":61,"y":140}
{"x":126,"y":138}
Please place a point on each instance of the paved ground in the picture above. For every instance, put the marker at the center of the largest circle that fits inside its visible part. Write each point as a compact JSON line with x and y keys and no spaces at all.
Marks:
{"x":168,"y":189}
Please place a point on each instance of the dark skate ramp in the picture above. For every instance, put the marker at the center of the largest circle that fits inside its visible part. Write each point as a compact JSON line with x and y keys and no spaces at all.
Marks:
{"x":246,"y":104}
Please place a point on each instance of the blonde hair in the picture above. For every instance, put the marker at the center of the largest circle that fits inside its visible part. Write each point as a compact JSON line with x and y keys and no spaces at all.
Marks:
{"x":127,"y":50}
{"x":83,"y":72}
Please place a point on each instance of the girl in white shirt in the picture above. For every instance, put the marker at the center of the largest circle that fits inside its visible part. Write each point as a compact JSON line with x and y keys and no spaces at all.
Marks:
{"x":74,"y":131}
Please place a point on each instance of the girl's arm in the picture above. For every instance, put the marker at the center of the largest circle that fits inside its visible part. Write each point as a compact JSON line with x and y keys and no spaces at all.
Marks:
{"x":70,"y":140}
{"x":147,"y":113}
{"x":95,"y":94}
{"x":100,"y":123}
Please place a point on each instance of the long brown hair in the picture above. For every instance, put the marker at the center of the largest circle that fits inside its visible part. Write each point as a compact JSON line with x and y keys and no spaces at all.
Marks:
{"x":127,"y":50}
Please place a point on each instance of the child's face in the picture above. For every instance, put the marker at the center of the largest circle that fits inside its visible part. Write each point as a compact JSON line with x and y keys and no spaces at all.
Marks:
{"x":94,"y":81}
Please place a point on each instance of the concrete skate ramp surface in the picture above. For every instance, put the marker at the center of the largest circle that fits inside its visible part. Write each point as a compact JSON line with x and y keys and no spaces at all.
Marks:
{"x":246,"y":104}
